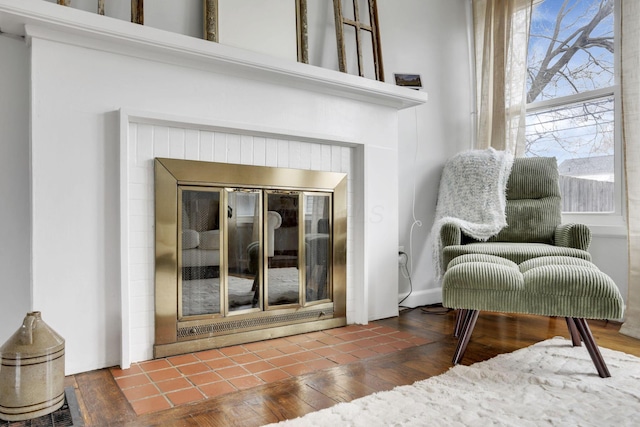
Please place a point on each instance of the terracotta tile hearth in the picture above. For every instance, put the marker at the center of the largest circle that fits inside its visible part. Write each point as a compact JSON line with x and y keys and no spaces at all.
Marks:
{"x":165,"y":383}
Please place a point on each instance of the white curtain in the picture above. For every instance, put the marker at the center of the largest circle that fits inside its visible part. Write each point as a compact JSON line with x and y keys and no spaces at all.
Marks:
{"x":501,"y":36}
{"x":630,"y":97}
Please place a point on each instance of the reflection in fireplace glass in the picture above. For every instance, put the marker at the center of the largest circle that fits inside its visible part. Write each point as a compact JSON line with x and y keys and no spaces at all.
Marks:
{"x":268,"y":257}
{"x":317,"y":246}
{"x":243,"y":269}
{"x":200,"y":254}
{"x":283,"y":278}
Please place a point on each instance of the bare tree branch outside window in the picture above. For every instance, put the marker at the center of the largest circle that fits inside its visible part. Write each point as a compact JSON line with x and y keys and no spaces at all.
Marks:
{"x":570,"y":93}
{"x":579,"y":51}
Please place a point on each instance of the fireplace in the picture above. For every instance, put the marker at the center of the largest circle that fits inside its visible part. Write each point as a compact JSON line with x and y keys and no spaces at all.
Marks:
{"x":245,"y":253}
{"x":91,"y":226}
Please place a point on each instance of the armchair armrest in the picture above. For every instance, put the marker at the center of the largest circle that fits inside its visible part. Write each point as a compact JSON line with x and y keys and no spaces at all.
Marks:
{"x":572,"y":235}
{"x":450,"y":234}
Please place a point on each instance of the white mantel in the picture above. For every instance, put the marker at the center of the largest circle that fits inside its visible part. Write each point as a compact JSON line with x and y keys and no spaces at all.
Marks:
{"x":76,"y":27}
{"x":92,"y":76}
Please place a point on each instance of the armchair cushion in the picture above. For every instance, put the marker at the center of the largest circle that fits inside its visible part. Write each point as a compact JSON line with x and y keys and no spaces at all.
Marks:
{"x":548,"y":286}
{"x":534,"y":205}
{"x":516,"y":252}
{"x":570,"y":240}
{"x":530,"y":220}
{"x":533,"y":213}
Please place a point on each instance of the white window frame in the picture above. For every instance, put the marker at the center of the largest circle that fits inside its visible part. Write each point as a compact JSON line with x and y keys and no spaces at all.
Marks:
{"x":604,"y":223}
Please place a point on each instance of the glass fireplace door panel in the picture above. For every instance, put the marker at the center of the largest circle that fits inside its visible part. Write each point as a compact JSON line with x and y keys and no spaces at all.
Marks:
{"x":244,"y":228}
{"x":200,"y":240}
{"x":282,"y":242}
{"x":318,"y":245}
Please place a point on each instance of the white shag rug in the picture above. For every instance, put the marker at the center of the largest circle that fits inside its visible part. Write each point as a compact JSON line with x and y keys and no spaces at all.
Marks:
{"x":548,"y":384}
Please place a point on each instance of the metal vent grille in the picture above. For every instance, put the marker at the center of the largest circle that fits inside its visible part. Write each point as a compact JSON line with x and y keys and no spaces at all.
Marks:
{"x":68,"y":415}
{"x":239,"y":325}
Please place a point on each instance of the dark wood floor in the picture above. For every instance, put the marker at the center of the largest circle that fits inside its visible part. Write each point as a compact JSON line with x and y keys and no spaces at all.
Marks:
{"x":102,"y":404}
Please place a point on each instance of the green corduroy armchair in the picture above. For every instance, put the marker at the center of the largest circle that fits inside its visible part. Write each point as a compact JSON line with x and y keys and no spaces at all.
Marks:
{"x":534,"y":216}
{"x":534,"y":265}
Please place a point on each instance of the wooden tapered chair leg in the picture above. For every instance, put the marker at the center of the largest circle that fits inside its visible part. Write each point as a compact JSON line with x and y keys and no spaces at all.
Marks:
{"x":460,"y":316}
{"x":469,"y":322}
{"x":592,"y":347}
{"x":573,"y":330}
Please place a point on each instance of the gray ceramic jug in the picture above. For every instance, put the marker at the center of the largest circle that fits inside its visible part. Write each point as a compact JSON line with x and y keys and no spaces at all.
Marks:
{"x":32,"y":371}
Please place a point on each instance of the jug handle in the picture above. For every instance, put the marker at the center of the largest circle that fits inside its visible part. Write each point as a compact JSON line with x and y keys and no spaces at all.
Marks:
{"x":26,"y":335}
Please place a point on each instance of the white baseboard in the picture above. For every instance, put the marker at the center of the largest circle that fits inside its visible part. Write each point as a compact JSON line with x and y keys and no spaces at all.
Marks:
{"x":420,"y":298}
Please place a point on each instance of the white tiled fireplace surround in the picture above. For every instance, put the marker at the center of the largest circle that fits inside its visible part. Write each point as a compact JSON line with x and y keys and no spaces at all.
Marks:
{"x":107,"y":96}
{"x":148,"y":138}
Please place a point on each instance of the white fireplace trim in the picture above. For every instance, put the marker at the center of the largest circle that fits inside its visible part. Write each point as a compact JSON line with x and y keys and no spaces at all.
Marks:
{"x":344,"y":155}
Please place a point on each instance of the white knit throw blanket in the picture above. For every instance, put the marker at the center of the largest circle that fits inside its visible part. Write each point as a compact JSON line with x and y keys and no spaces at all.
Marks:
{"x":473,"y":196}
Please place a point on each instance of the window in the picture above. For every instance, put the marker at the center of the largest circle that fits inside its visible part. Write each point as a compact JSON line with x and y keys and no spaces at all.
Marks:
{"x":571,"y":98}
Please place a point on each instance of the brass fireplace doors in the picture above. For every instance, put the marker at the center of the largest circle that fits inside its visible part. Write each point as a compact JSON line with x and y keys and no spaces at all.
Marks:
{"x":242,"y":261}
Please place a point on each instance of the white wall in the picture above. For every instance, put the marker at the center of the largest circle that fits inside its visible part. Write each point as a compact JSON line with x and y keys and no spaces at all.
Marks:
{"x":610,"y":252}
{"x":267,"y":27}
{"x":259,"y":26}
{"x":119,"y":9}
{"x":322,"y":34}
{"x":426,"y":37}
{"x":182,"y":17}
{"x":15,"y":216}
